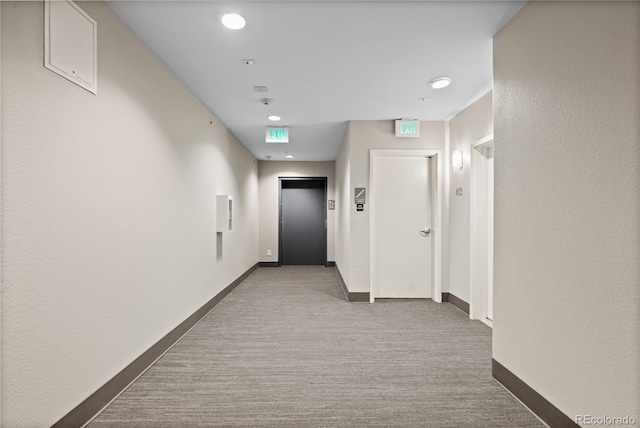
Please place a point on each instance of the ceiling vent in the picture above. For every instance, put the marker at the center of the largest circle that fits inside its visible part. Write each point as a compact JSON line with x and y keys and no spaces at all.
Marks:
{"x":260,"y":89}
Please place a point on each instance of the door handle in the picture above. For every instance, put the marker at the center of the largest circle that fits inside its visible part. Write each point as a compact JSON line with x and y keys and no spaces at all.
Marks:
{"x":426,"y":231}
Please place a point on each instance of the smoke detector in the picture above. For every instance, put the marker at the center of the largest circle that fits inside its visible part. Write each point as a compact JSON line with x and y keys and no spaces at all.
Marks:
{"x":266,"y":101}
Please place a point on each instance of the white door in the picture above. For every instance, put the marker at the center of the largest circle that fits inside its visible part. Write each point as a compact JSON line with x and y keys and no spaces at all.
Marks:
{"x":489,"y":154}
{"x":401,"y":214}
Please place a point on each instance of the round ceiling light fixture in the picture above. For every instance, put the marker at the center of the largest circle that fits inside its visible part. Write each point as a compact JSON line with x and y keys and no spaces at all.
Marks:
{"x":274,"y":118}
{"x":289,"y":156}
{"x":233,"y":21}
{"x":440,"y":82}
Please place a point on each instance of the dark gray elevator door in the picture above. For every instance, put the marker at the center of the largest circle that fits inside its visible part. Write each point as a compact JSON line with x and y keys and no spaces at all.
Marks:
{"x":304,"y":236}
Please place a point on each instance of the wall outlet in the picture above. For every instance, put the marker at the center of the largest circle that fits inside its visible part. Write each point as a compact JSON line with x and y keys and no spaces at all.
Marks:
{"x":268,"y":253}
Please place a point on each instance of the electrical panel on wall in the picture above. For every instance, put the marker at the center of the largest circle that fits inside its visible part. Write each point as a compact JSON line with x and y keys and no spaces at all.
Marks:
{"x":71,"y":43}
{"x":224,"y":213}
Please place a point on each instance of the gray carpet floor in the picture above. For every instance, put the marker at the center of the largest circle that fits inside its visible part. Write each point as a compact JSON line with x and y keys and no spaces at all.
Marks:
{"x":286,"y":350}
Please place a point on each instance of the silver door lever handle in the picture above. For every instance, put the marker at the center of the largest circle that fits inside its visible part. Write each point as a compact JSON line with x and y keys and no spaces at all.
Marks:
{"x":426,"y":231}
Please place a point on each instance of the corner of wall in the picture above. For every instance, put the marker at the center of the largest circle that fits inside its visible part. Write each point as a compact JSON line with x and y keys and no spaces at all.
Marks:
{"x":446,"y":236}
{"x":343,"y":208}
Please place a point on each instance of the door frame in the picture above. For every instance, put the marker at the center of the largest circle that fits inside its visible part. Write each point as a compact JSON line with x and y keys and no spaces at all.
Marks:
{"x":436,"y":177}
{"x":324,"y":203}
{"x":480,"y":267}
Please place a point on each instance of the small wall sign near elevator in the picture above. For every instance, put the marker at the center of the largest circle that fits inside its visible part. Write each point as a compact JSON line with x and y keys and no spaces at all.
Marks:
{"x":407,"y":128}
{"x":360,"y":198}
{"x":277,"y":134}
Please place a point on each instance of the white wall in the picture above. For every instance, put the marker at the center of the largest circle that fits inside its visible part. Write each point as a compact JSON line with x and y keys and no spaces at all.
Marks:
{"x":343,"y":201}
{"x":1,"y":210}
{"x":364,"y":136}
{"x":467,"y":127}
{"x":108,"y":221}
{"x":269,"y":172}
{"x":567,"y":204}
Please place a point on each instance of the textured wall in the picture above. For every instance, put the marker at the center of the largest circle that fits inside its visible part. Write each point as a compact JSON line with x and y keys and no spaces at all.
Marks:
{"x":108,"y":214}
{"x":343,"y":204}
{"x":269,"y":188}
{"x":567,"y":203}
{"x":364,"y":136}
{"x":1,"y":134}
{"x":467,"y":127}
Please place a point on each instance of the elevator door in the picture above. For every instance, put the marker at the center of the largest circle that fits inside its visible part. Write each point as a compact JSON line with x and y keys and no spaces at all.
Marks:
{"x":303,"y":233}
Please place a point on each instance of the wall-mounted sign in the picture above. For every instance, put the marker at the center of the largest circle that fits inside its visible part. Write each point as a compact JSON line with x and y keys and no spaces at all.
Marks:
{"x":277,"y":134}
{"x":407,"y":128}
{"x":332,"y":204}
{"x":360,"y":195}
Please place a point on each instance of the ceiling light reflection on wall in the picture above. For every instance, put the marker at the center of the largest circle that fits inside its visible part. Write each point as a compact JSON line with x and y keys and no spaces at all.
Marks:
{"x":440,"y":82}
{"x":233,"y":21}
{"x":274,"y":118}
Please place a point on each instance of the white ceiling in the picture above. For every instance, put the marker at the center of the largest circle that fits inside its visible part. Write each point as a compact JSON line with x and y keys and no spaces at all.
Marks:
{"x":324,"y":62}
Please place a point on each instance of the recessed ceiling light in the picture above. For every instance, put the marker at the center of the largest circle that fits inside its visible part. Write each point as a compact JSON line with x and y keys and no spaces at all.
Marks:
{"x":233,"y":21}
{"x":274,"y":118}
{"x":440,"y":82}
{"x":289,"y":156}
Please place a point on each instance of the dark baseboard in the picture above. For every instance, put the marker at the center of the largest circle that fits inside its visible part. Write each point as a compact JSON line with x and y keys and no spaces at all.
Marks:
{"x":351,"y":297}
{"x":99,"y":399}
{"x":456,"y":301}
{"x":277,"y":264}
{"x":359,"y":297}
{"x":534,"y":401}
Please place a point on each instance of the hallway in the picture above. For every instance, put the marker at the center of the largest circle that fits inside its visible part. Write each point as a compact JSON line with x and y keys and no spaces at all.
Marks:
{"x":285,"y":349}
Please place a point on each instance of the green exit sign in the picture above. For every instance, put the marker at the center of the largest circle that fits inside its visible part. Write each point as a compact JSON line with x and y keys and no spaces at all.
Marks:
{"x":277,"y":134}
{"x":407,"y":128}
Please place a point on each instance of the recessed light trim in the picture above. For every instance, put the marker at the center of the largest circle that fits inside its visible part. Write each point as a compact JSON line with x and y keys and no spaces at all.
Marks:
{"x":233,"y":21}
{"x":440,"y":82}
{"x":274,"y":118}
{"x":289,"y":156}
